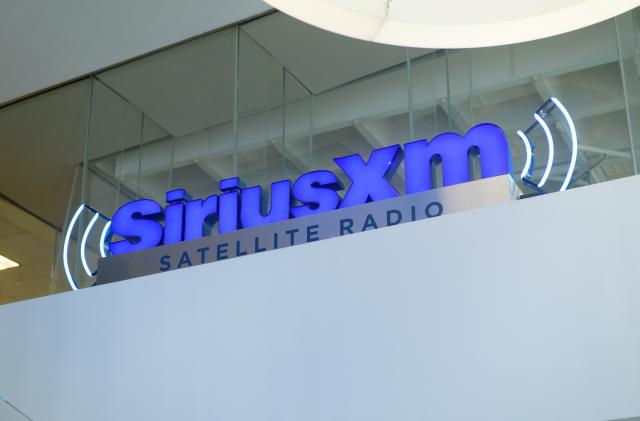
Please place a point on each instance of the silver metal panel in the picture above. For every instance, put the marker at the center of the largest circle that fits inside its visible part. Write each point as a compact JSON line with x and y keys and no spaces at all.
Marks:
{"x":311,"y":228}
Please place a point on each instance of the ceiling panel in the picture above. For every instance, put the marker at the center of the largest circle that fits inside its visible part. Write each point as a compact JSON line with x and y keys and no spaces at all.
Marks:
{"x":322,"y":60}
{"x":184,"y":89}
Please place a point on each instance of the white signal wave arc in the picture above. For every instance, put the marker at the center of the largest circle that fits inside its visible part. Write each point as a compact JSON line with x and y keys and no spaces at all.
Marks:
{"x":527,"y":145}
{"x":574,"y":143}
{"x":83,"y":243}
{"x":525,"y":175}
{"x":103,"y":239}
{"x":547,"y":133}
{"x":65,"y":248}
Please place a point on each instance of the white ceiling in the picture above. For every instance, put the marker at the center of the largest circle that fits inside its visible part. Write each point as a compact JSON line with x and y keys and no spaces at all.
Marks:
{"x":185,"y":88}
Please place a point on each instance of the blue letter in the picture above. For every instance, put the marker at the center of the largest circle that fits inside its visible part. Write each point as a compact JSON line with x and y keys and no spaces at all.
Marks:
{"x":346,"y":225}
{"x":174,"y":216}
{"x":371,"y":179}
{"x":437,"y":206}
{"x":137,"y":223}
{"x":238,"y":251}
{"x":251,"y":213}
{"x":200,"y":215}
{"x":369,"y":222}
{"x":184,"y":260}
{"x":228,"y":210}
{"x":221,"y":251}
{"x":292,"y":234}
{"x":203,"y":252}
{"x":318,"y":191}
{"x":165,"y":263}
{"x":453,"y":150}
{"x":312,"y":233}
{"x":257,"y":248}
{"x":398,"y":215}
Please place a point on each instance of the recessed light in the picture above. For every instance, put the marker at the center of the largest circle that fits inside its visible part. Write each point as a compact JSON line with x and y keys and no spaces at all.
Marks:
{"x":454,"y":23}
{"x":6,"y":263}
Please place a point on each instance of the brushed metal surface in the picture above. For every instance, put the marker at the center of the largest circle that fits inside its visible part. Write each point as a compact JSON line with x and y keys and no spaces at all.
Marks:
{"x":414,"y":207}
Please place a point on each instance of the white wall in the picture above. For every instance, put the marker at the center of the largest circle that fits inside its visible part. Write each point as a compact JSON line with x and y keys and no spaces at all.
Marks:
{"x":44,"y":43}
{"x":524,"y":311}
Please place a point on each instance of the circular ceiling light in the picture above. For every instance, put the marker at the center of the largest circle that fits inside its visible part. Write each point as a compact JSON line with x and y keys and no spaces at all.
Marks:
{"x":452,"y":23}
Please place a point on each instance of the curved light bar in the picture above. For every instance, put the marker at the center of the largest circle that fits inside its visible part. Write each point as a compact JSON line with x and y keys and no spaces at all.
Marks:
{"x":527,"y":145}
{"x":65,"y":247}
{"x":83,"y":245}
{"x":451,"y":24}
{"x":547,"y":132}
{"x":103,"y":239}
{"x":574,"y":143}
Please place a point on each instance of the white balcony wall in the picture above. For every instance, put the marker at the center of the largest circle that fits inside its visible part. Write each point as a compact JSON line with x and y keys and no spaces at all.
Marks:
{"x":525,"y":311}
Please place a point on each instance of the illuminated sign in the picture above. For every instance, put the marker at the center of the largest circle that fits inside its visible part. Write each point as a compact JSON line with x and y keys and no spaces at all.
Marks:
{"x":140,"y":225}
{"x":316,"y":205}
{"x":340,"y":222}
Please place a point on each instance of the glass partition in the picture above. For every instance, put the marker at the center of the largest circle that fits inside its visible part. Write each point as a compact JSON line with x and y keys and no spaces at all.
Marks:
{"x":261,"y":115}
{"x":42,"y":141}
{"x":627,"y":29}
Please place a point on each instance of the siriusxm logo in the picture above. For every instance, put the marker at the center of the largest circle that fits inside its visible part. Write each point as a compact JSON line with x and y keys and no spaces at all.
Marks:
{"x":144,"y":223}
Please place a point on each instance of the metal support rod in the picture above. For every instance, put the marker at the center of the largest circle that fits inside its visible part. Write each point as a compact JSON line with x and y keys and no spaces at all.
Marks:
{"x":284,"y":121}
{"x":140,"y":150}
{"x":85,"y":163}
{"x":65,"y":227}
{"x":236,"y":98}
{"x":446,"y":66}
{"x":310,"y":145}
{"x":410,"y":95}
{"x":627,"y":107}
{"x":545,"y":109}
